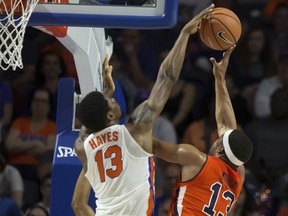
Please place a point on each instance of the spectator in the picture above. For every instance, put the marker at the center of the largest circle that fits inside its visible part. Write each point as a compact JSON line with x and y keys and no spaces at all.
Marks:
{"x":37,"y":210}
{"x":128,"y":87}
{"x":279,"y":31}
{"x":271,"y":6}
{"x":140,"y":60}
{"x":45,"y":191}
{"x":253,"y":59}
{"x":45,"y":163}
{"x":50,"y":67}
{"x":202,"y":132}
{"x":269,"y":85}
{"x":29,"y":137}
{"x":6,"y":107}
{"x":171,"y":174}
{"x":8,"y":207}
{"x":11,"y":183}
{"x":270,"y":164}
{"x":164,"y":207}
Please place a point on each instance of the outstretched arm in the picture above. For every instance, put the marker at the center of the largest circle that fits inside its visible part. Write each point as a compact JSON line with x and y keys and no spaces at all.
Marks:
{"x":224,"y":112}
{"x":170,"y":68}
{"x":143,"y":117}
{"x":182,"y":154}
{"x":81,"y":196}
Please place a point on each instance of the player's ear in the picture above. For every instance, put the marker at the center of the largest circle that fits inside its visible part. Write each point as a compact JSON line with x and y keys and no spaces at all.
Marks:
{"x":110,"y":116}
{"x":220,"y":149}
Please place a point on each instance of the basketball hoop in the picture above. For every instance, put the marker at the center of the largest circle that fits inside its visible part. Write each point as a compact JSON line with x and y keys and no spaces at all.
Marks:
{"x":14,"y":17}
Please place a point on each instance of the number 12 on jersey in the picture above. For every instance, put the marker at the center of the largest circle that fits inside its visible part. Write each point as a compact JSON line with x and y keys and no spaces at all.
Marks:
{"x":114,"y":154}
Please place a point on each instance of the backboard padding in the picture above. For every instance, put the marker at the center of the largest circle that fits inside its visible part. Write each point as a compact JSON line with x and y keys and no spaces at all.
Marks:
{"x":164,"y":15}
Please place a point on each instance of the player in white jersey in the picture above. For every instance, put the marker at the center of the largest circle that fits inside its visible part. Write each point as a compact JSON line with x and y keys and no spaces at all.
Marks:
{"x":114,"y":153}
{"x":117,"y":159}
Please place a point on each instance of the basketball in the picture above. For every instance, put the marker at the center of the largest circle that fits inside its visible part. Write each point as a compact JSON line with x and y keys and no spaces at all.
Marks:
{"x":221,"y":30}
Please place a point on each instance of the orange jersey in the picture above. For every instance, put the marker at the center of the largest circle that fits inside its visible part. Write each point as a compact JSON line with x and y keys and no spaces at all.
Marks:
{"x":22,"y":124}
{"x":212,"y":192}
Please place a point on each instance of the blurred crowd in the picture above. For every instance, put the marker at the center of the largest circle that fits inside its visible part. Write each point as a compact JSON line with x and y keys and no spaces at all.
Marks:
{"x":257,"y":80}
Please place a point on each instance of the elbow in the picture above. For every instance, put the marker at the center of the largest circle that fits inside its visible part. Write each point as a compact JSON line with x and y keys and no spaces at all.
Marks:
{"x":76,"y":206}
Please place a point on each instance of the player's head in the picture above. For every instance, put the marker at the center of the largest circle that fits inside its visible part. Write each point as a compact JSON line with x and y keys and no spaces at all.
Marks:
{"x":234,"y":146}
{"x":97,"y":111}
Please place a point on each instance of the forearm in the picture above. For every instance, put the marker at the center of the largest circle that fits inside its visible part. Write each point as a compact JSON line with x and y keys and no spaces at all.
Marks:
{"x":50,"y":142}
{"x":17,"y":145}
{"x":168,"y":75}
{"x":81,"y":196}
{"x":173,"y":62}
{"x":225,"y":116}
{"x":84,"y":210}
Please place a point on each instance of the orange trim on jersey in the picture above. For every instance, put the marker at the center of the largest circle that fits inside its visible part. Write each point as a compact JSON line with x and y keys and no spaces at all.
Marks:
{"x":152,"y":183}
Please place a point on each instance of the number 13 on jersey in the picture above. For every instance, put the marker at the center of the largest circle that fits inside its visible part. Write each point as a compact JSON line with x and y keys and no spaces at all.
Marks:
{"x":114,"y":154}
{"x":227,"y":195}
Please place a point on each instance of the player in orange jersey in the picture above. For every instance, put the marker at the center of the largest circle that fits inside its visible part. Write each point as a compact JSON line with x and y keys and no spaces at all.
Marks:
{"x":210,"y":184}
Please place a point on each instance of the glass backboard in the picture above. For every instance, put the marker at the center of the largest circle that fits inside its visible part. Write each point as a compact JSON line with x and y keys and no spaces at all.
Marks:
{"x":106,"y":13}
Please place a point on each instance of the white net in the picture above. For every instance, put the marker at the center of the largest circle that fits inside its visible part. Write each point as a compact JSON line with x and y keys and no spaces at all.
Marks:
{"x":14,"y":17}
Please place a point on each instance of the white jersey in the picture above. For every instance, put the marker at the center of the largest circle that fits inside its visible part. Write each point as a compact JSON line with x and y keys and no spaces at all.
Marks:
{"x":120,"y":172}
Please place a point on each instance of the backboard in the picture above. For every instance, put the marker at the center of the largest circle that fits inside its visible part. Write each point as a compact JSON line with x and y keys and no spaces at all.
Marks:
{"x":148,"y":14}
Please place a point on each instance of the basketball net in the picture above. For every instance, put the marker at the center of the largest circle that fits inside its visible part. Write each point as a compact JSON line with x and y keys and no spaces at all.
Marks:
{"x":14,"y":17}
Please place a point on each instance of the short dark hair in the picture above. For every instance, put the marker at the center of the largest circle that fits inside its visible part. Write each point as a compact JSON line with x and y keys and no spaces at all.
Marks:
{"x":240,"y":145}
{"x":92,"y":111}
{"x":38,"y":89}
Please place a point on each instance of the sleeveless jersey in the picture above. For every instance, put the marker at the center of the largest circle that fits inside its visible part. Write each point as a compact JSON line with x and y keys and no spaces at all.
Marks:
{"x":120,"y":172}
{"x":212,"y":192}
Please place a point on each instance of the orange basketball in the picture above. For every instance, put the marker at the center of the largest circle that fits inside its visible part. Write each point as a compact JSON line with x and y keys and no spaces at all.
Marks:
{"x":222,"y":30}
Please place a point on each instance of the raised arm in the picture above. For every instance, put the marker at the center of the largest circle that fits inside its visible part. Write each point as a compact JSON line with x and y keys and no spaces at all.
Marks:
{"x":224,"y":112}
{"x":109,"y":86}
{"x":144,"y":116}
{"x":171,"y":66}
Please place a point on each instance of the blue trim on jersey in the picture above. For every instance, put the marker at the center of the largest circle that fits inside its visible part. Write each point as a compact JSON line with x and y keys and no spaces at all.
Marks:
{"x":175,"y":212}
{"x":150,"y":180}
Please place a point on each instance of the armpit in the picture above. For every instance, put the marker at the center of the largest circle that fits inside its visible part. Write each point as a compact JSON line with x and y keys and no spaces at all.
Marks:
{"x":142,"y":114}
